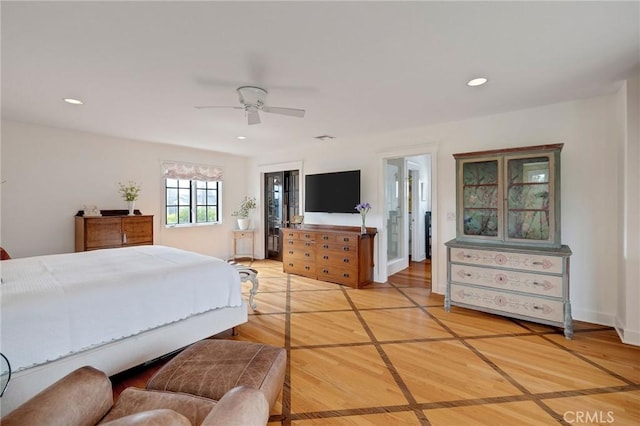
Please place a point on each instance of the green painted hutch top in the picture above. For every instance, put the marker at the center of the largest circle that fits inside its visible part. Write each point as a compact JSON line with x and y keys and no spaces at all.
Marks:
{"x":509,"y":196}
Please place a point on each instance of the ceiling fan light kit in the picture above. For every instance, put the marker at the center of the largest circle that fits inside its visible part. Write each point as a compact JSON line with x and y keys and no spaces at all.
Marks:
{"x":252,"y":99}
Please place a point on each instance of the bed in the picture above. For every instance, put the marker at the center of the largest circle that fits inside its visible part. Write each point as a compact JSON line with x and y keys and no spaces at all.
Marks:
{"x":112,"y":309}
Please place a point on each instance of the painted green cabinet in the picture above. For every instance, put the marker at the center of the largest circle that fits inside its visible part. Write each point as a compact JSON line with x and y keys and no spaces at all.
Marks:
{"x":507,"y":258}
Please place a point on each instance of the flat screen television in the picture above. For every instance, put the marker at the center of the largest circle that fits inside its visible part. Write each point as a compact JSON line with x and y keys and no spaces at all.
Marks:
{"x":337,"y":192}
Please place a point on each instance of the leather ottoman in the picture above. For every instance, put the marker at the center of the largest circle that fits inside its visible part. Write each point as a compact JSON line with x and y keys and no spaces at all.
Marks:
{"x":210,"y":368}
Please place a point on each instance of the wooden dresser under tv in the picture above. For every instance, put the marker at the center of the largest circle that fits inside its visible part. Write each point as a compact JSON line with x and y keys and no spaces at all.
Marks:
{"x":338,"y":254}
{"x":115,"y":228}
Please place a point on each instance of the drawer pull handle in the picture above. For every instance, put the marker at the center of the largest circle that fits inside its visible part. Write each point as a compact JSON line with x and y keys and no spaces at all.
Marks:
{"x":538,"y":307}
{"x":325,"y":257}
{"x":467,"y":256}
{"x":290,"y":241}
{"x":307,"y":254}
{"x":325,"y":237}
{"x":307,"y":236}
{"x":307,"y":244}
{"x":467,"y":274}
{"x":345,"y":275}
{"x":345,"y":239}
{"x":345,"y":260}
{"x":291,"y":264}
{"x":307,"y":268}
{"x":290,"y":251}
{"x":325,"y":271}
{"x":537,"y":283}
{"x":325,"y":246}
{"x":345,"y":248}
{"x":538,"y":263}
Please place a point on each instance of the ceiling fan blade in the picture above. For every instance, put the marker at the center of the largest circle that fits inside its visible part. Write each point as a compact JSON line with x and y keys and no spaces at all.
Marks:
{"x":284,"y":111}
{"x":253,"y":117}
{"x":216,"y":106}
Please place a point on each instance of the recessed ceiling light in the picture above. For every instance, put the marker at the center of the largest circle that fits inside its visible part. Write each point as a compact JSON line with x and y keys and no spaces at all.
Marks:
{"x":477,"y":82}
{"x":241,"y":137}
{"x":73,"y":101}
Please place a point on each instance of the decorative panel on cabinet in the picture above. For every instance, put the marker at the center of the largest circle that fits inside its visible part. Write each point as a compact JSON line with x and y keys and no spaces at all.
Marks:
{"x":113,"y":229}
{"x":336,"y":254}
{"x":507,"y":257}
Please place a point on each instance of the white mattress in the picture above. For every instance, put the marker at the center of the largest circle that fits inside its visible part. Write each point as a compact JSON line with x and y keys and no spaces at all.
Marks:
{"x":57,"y":305}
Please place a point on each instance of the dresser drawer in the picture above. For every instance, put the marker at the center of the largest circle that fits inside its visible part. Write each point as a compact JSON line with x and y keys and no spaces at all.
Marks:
{"x":335,"y":258}
{"x":290,"y":235}
{"x":548,"y":285}
{"x":337,"y":247}
{"x":530,"y":306}
{"x":299,"y":267}
{"x":505,"y":259}
{"x":299,"y":244}
{"x":300,"y":253}
{"x":347,"y":276}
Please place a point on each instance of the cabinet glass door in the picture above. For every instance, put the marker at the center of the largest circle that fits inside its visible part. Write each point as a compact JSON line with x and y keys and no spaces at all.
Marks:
{"x":529,"y":199}
{"x":481,"y":198}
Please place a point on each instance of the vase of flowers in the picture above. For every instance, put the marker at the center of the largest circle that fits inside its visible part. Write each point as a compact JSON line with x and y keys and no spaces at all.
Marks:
{"x":363,"y":209}
{"x":130,"y":192}
{"x":242,"y":214}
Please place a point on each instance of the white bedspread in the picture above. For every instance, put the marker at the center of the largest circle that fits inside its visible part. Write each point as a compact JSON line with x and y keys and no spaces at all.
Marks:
{"x":56,"y":305}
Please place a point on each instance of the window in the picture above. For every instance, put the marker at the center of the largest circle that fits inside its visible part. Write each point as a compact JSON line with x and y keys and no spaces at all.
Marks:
{"x":192,"y":201}
{"x":192,"y":194}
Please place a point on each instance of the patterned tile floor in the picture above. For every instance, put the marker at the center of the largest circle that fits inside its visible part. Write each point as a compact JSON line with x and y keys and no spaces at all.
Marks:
{"x":389,"y":354}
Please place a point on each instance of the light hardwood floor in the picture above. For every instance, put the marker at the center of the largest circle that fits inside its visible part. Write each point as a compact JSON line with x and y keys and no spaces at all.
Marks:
{"x":389,"y":354}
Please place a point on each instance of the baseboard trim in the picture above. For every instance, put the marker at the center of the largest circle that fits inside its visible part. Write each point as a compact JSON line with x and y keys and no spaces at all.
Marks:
{"x":630,"y":337}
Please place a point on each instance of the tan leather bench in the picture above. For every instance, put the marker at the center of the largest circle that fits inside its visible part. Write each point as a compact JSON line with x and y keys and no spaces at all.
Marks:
{"x":210,"y":368}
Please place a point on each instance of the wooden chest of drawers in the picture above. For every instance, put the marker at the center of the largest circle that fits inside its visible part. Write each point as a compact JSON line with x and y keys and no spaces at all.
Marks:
{"x":111,"y":231}
{"x":336,"y":254}
{"x":526,"y":283}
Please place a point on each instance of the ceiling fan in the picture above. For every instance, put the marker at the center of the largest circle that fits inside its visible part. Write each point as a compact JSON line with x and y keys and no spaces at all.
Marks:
{"x":253,"y":100}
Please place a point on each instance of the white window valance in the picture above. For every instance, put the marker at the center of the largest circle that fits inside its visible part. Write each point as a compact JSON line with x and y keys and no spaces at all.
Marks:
{"x":181,"y":170}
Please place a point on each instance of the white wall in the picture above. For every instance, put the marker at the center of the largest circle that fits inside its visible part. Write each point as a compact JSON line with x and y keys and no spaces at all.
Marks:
{"x":589,"y":184}
{"x":51,"y":173}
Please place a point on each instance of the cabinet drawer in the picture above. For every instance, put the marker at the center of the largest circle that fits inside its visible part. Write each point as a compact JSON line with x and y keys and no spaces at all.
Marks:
{"x":299,"y":267}
{"x":326,"y":238}
{"x":299,"y":253}
{"x":290,"y":235}
{"x":347,"y":276}
{"x":548,"y":285}
{"x":531,"y":306}
{"x":505,"y":259}
{"x":307,"y":236}
{"x":335,"y":258}
{"x":337,"y":247}
{"x":299,"y":245}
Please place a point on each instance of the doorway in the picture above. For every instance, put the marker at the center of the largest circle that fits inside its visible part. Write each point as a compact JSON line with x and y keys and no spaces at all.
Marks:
{"x":282,"y":202}
{"x":407,"y":211}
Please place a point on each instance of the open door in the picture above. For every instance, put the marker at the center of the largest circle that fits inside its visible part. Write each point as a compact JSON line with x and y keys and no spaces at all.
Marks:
{"x":281,"y":193}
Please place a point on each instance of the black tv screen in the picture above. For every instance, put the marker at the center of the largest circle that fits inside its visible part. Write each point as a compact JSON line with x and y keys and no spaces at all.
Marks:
{"x":337,"y":192}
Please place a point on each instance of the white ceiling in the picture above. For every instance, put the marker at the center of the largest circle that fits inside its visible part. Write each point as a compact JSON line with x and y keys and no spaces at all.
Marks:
{"x":357,"y":68}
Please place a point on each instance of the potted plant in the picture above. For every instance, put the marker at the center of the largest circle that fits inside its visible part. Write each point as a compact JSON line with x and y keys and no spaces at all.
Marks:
{"x":130,"y":193}
{"x":248,"y":204}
